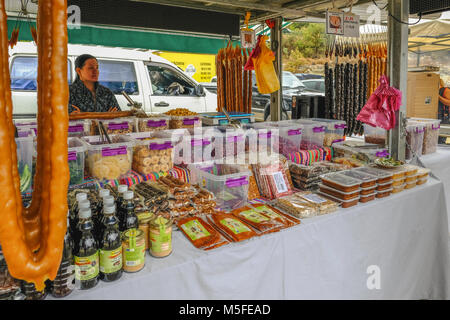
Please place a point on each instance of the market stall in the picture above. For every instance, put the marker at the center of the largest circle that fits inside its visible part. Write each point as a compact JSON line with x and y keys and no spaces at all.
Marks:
{"x":127,"y":205}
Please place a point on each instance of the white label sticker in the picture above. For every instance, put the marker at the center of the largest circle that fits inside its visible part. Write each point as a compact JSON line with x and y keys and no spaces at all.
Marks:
{"x":279,"y":182}
{"x":351,"y":25}
{"x":314,"y":198}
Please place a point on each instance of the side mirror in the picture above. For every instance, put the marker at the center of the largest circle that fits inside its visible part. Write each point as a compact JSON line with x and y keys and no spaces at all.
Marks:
{"x":199,"y":90}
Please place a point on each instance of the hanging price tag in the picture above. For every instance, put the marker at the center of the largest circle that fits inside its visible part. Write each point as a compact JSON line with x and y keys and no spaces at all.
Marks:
{"x":248,"y":36}
{"x":351,"y":25}
{"x":335,"y":22}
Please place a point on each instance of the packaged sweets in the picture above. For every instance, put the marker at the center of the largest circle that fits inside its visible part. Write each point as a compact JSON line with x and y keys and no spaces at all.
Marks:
{"x":275,"y":214}
{"x":296,"y":206}
{"x":235,"y":228}
{"x":323,"y":205}
{"x":200,"y":233}
{"x":257,"y":219}
{"x":341,"y":182}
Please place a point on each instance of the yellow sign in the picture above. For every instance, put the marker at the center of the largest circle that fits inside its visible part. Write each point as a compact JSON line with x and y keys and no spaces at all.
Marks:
{"x":201,"y":67}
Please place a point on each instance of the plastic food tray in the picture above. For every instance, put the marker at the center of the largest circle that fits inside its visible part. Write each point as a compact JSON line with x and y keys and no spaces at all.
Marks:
{"x":423,"y":173}
{"x":367,"y":198}
{"x":398,"y":182}
{"x":414,"y":137}
{"x":421,"y":181}
{"x":109,"y":161}
{"x":410,"y":179}
{"x":384,"y":193}
{"x":151,"y":154}
{"x":152,"y":123}
{"x":229,"y":183}
{"x":384,"y":186}
{"x":79,"y":128}
{"x":367,"y":180}
{"x":411,"y":170}
{"x":367,"y":191}
{"x":179,"y":122}
{"x":344,"y":203}
{"x":399,"y":188}
{"x":397,"y":173}
{"x":382,"y":175}
{"x":334,"y":130}
{"x":25,"y":150}
{"x":76,"y":155}
{"x":410,"y":185}
{"x":431,"y":134}
{"x":374,"y":135}
{"x":338,"y":194}
{"x":341,"y":182}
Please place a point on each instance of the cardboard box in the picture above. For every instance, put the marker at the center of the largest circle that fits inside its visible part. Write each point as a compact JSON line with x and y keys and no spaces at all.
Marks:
{"x":423,"y":95}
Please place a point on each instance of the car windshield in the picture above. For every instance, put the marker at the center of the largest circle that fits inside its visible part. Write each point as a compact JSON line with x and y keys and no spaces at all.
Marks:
{"x":291,"y":81}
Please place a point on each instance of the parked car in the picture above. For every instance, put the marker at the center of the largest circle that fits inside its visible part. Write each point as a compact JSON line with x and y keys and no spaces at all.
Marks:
{"x":126,"y":70}
{"x":306,"y":76}
{"x":315,"y":84}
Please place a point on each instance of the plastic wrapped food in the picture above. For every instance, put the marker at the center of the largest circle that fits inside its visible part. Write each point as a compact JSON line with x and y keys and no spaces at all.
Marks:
{"x":421,"y":181}
{"x":350,"y":162}
{"x":306,"y":171}
{"x":341,"y":182}
{"x":423,"y":173}
{"x":338,"y":194}
{"x":410,"y":170}
{"x":296,"y":206}
{"x":384,"y":193}
{"x":323,"y":205}
{"x":367,"y":191}
{"x":235,"y":228}
{"x":367,"y":198}
{"x":409,"y":179}
{"x":273,"y":180}
{"x":276,"y":214}
{"x":343,"y":203}
{"x":397,"y":189}
{"x":367,"y":180}
{"x":257,"y":219}
{"x":398,"y":182}
{"x":200,"y":233}
{"x":384,"y":186}
{"x":397,"y":173}
{"x":382,"y":175}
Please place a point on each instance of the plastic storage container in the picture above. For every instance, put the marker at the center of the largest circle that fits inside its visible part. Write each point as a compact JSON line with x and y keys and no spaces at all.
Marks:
{"x":233,"y":141}
{"x":25,"y":150}
{"x":24,"y":132}
{"x":397,"y":189}
{"x":153,"y":123}
{"x":367,"y":180}
{"x":229,"y":183}
{"x":76,"y":154}
{"x":374,"y":135}
{"x":343,"y":203}
{"x":341,"y":182}
{"x":151,"y":154}
{"x":79,"y":128}
{"x":199,"y":145}
{"x":119,"y":125}
{"x":334,"y":130}
{"x":109,"y":161}
{"x":414,"y":138}
{"x":312,"y":135}
{"x":382,"y":175}
{"x":384,"y":193}
{"x":338,"y":194}
{"x":367,"y":198}
{"x":259,"y":137}
{"x":186,"y":122}
{"x":288,"y":138}
{"x":367,"y":191}
{"x":423,"y":173}
{"x":431,"y":134}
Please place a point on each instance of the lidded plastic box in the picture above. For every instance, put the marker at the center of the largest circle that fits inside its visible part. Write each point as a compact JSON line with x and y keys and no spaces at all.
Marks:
{"x":341,"y":182}
{"x":24,"y":132}
{"x":233,"y":141}
{"x":75,"y":157}
{"x":375,"y":135}
{"x":288,"y":137}
{"x":109,"y":161}
{"x":367,"y":180}
{"x":79,"y":128}
{"x":119,"y":125}
{"x":431,"y":134}
{"x":383,"y":176}
{"x":334,"y":130}
{"x":261,"y":136}
{"x":229,"y":183}
{"x":312,"y":135}
{"x":180,"y":122}
{"x":415,"y":133}
{"x":338,"y":194}
{"x":197,"y":145}
{"x":25,"y":150}
{"x":155,"y":123}
{"x":151,"y":154}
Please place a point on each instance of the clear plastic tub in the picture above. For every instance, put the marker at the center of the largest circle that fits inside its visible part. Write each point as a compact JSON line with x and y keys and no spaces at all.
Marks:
{"x":384,"y":193}
{"x":421,"y":181}
{"x":334,"y":130}
{"x":180,"y":122}
{"x":150,"y":154}
{"x":431,"y":134}
{"x":312,"y":135}
{"x":24,"y":132}
{"x":76,"y":154}
{"x":423,"y":173}
{"x":384,"y":186}
{"x":367,"y":180}
{"x":338,"y":194}
{"x":25,"y":150}
{"x":341,"y":182}
{"x":259,"y":137}
{"x":374,"y":135}
{"x":343,"y":203}
{"x":79,"y":128}
{"x":397,"y":189}
{"x":197,"y":145}
{"x":410,"y":179}
{"x":289,"y":137}
{"x":411,"y":170}
{"x":153,"y":123}
{"x":383,"y":176}
{"x":410,"y":185}
{"x":398,"y":182}
{"x":109,"y":161}
{"x":119,"y":125}
{"x":414,"y":138}
{"x":233,"y":141}
{"x":397,"y":173}
{"x":367,"y":198}
{"x":229,"y":183}
{"x":369,"y":190}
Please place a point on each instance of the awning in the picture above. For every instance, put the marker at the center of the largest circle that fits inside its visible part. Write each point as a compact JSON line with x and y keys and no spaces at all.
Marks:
{"x":430,"y":36}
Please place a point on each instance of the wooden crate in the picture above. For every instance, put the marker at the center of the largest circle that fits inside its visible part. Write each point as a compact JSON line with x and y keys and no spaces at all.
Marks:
{"x":423,"y":95}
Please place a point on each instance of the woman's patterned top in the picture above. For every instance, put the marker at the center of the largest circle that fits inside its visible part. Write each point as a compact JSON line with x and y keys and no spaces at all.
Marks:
{"x":83,"y":99}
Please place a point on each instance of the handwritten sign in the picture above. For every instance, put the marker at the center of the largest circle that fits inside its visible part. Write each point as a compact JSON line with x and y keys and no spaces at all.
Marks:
{"x":351,"y":25}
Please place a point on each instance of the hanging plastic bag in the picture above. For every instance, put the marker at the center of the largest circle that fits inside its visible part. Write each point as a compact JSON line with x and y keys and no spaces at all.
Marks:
{"x":262,"y":62}
{"x":380,"y":109}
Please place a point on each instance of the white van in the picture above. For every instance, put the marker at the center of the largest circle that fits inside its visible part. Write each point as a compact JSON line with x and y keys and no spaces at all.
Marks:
{"x":120,"y":70}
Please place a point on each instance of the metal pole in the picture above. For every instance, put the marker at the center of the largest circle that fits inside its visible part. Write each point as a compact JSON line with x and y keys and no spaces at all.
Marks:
{"x":276,"y":98}
{"x":398,"y":70}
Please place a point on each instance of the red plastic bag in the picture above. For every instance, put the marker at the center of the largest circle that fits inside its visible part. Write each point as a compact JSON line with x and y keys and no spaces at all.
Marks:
{"x":379,"y":110}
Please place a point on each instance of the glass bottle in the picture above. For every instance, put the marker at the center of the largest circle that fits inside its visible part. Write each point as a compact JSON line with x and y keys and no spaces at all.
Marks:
{"x":30,"y":292}
{"x":81,"y":196}
{"x":121,"y":189}
{"x":76,"y":234}
{"x":110,"y":246}
{"x":130,"y":219}
{"x":86,"y":253}
{"x":64,"y":284}
{"x":98,"y":222}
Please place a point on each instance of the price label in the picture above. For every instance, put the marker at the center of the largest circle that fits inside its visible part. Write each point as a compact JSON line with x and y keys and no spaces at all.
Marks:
{"x":351,"y":25}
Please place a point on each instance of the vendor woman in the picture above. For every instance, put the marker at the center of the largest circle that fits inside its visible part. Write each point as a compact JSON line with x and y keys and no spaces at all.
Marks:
{"x":86,"y":94}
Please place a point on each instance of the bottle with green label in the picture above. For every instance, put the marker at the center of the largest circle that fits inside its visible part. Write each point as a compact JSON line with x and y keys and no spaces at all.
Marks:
{"x":130,"y":219}
{"x":121,"y":189}
{"x":86,"y":256}
{"x":110,"y":246}
{"x":75,"y":233}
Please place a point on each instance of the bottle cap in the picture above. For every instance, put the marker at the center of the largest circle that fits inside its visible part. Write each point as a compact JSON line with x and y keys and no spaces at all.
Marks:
{"x":81,"y":196}
{"x":85,"y":214}
{"x":122,"y":188}
{"x":108,"y":200}
{"x":129,"y":195}
{"x":85,"y":204}
{"x":103,"y":193}
{"x":109,"y":209}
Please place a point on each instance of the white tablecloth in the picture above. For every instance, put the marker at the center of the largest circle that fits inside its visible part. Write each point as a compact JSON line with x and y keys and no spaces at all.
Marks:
{"x":404,"y":236}
{"x":439,"y":163}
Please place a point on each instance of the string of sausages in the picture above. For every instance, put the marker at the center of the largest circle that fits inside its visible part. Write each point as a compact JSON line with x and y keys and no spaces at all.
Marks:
{"x":234,"y":84}
{"x":32,"y":238}
{"x":351,"y":76}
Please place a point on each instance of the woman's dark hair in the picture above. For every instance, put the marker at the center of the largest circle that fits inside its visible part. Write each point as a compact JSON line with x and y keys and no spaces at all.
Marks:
{"x":81,"y":60}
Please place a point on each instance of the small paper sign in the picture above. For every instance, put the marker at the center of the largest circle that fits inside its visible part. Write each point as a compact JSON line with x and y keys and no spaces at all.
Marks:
{"x":335,"y":22}
{"x":351,"y":25}
{"x":248,"y":38}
